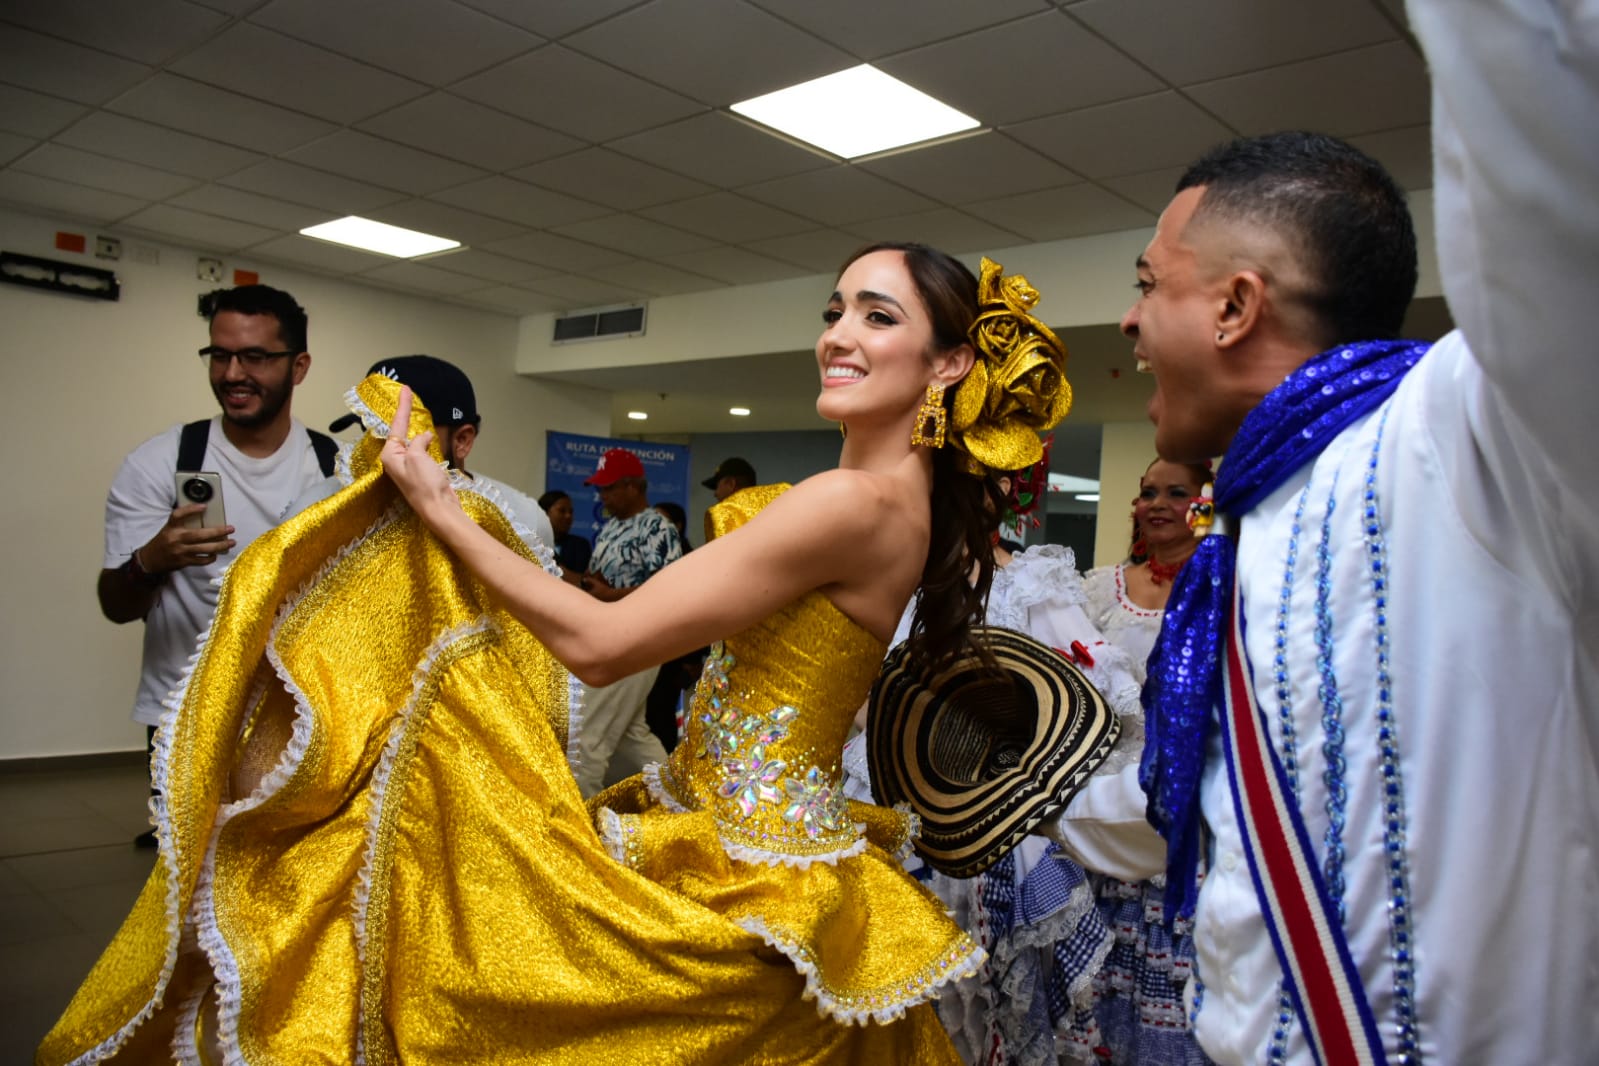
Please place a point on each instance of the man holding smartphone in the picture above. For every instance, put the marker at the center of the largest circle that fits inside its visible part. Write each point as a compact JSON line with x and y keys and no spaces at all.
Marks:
{"x":161,"y":560}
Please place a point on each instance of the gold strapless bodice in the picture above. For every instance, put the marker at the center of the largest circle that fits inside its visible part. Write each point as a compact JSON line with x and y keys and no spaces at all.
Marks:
{"x":767,"y":724}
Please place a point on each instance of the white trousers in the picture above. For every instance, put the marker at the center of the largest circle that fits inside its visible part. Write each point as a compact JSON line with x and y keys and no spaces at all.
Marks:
{"x":614,"y":741}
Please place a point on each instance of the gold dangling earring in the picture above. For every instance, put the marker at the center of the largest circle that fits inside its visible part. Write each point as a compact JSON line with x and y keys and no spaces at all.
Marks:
{"x":930,"y":420}
{"x":843,"y":431}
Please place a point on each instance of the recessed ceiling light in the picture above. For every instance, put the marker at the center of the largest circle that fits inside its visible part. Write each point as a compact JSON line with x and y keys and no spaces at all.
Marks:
{"x":1088,"y":497}
{"x":830,"y":112}
{"x":370,"y":236}
{"x":637,"y":416}
{"x":740,"y":411}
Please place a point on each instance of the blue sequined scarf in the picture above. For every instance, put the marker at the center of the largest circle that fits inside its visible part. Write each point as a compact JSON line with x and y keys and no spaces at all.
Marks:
{"x":1288,"y":429}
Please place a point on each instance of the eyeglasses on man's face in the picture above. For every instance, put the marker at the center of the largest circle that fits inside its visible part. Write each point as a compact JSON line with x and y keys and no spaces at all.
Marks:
{"x":250,"y":357}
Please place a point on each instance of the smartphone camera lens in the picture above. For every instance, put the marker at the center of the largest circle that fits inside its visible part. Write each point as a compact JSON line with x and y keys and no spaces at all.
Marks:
{"x":197,"y":490}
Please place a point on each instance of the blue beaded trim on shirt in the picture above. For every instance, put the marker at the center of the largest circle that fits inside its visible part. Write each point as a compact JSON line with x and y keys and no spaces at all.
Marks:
{"x":1400,"y":931}
{"x":1332,"y":714}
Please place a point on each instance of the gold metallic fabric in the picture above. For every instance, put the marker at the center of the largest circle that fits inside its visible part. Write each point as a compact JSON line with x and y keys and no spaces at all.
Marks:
{"x":369,"y":828}
{"x":1017,"y":388}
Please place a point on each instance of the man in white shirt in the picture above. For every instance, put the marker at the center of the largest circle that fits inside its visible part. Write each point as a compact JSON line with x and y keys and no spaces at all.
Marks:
{"x":157,"y":566}
{"x":447,"y":393}
{"x":1417,"y":565}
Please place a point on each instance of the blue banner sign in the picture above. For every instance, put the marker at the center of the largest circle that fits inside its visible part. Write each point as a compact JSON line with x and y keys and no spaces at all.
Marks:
{"x":571,"y":457}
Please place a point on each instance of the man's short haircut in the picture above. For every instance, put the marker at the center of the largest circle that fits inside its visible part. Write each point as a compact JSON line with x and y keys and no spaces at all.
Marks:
{"x":1338,"y":207}
{"x":551,"y":498}
{"x":263,"y":300}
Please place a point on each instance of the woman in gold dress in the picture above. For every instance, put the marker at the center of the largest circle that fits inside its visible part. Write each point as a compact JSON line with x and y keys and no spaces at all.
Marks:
{"x":373,"y":849}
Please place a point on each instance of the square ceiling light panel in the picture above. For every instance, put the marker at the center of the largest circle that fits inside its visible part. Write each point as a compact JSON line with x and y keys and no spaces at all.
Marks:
{"x":370,"y":236}
{"x":856,"y":112}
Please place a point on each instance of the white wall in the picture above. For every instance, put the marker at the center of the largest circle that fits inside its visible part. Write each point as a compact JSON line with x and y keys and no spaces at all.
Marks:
{"x":1084,"y":281}
{"x":1126,"y":450}
{"x":85,"y":380}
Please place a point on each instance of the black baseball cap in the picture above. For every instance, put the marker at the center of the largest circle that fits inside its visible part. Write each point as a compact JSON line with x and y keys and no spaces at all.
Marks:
{"x":734,"y":467}
{"x":440,"y":385}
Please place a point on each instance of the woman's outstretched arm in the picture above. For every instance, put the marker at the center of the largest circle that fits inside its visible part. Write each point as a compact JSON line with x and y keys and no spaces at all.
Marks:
{"x":830,"y":533}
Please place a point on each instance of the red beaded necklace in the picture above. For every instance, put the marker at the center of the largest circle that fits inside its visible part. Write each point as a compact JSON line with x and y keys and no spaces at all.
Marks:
{"x":1160,"y":573}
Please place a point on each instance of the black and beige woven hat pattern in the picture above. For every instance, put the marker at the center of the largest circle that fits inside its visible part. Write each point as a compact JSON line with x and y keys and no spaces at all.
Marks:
{"x":982,"y":756}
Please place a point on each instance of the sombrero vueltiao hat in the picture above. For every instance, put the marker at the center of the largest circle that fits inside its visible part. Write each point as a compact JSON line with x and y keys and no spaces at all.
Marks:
{"x":984,"y":757}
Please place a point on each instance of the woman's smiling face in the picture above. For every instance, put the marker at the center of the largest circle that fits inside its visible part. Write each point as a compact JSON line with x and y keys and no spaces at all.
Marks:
{"x":874,"y":347}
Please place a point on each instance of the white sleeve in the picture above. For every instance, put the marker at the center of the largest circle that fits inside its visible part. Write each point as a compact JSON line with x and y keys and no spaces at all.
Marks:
{"x":1516,"y":154}
{"x":141,"y":497}
{"x":1104,"y":829}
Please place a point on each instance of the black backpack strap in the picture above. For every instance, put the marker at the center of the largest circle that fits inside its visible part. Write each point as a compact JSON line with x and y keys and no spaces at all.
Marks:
{"x":191,"y":444}
{"x":326,"y":448}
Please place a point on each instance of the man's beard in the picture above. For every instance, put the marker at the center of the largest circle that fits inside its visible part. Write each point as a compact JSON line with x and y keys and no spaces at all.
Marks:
{"x":272,"y":402}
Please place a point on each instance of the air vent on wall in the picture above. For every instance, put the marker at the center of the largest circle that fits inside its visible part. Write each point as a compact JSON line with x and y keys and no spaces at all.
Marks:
{"x":600,"y":324}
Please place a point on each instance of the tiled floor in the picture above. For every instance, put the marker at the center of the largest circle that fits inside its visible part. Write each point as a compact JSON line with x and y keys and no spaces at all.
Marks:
{"x":68,"y":874}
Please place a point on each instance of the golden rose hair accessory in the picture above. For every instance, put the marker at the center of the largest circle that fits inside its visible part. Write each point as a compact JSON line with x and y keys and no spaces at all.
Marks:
{"x":1017,"y":388}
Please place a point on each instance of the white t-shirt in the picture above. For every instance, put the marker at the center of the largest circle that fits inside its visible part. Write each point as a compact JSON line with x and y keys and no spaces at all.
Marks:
{"x":257,"y":494}
{"x":523,"y":508}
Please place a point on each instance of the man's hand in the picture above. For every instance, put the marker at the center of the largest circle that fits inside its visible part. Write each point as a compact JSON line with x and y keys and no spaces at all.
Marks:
{"x":176,"y":546}
{"x":601,"y":589}
{"x":128,"y":593}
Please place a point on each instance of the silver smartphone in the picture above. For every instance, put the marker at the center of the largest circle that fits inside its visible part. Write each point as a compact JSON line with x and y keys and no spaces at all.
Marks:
{"x":201,"y":486}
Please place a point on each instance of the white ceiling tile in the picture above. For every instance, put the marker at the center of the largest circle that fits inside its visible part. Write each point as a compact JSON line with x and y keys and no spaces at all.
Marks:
{"x":838,"y":195}
{"x":518,"y":201}
{"x":654,"y":279}
{"x":1152,"y":189}
{"x":951,"y":231}
{"x":434,"y":41}
{"x":468,"y":227}
{"x":1055,"y":214}
{"x":1406,"y":153}
{"x":1024,"y":69}
{"x":226,"y":202}
{"x":728,"y":217}
{"x":771,"y":54}
{"x":34,"y":61}
{"x":486,"y":266}
{"x":518,"y":301}
{"x":99,"y":172}
{"x":1127,"y":137}
{"x":204,"y":232}
{"x":563,"y":90}
{"x":575,"y":292}
{"x":884,"y":27}
{"x":319,"y":255}
{"x":156,"y":146}
{"x":302,"y":185}
{"x":470,"y":132}
{"x":635,"y":235}
{"x":423,"y":278}
{"x":551,"y":18}
{"x":546,"y":249}
{"x":1362,"y":91}
{"x":1219,"y":38}
{"x":258,"y":62}
{"x":990,"y":161}
{"x":736,"y":266}
{"x":368,"y":158}
{"x":12,"y":146}
{"x":150,"y":31}
{"x":605,"y":177}
{"x":720,"y":150}
{"x":821,"y":251}
{"x":169,"y":100}
{"x":59,"y":197}
{"x":34,"y":114}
